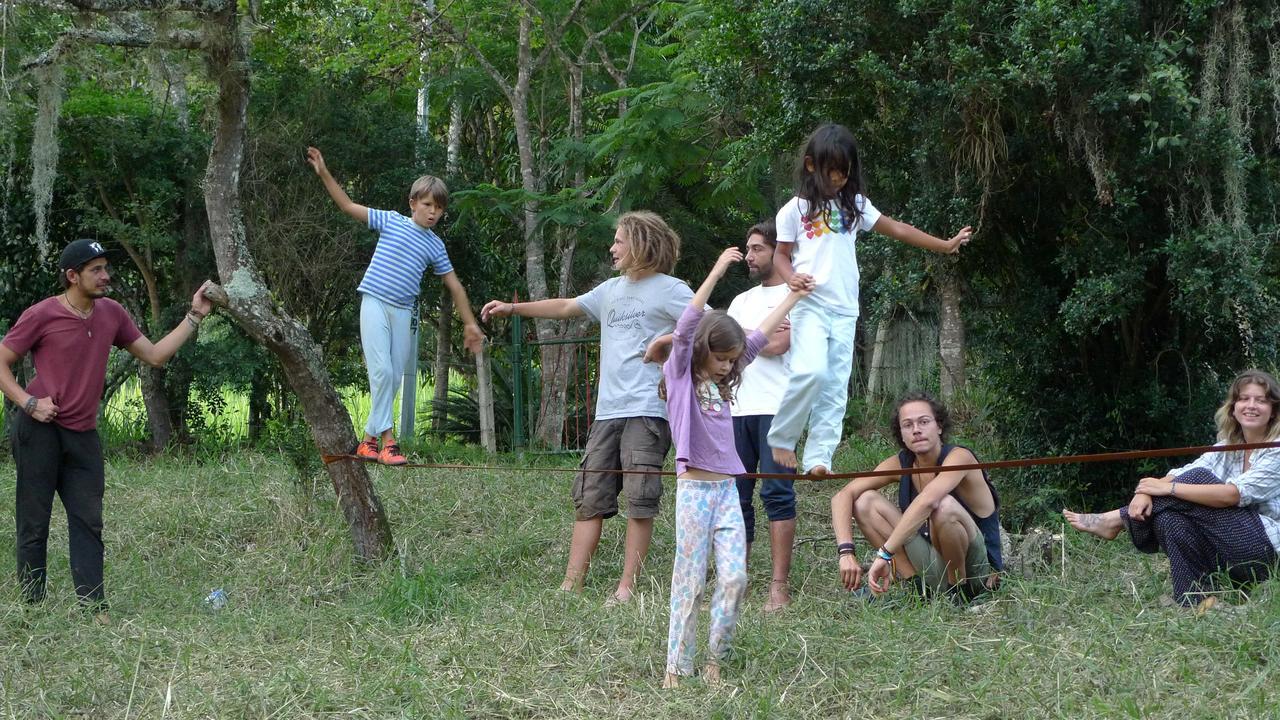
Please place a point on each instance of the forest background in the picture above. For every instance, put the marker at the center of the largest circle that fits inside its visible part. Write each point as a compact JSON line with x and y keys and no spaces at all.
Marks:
{"x":1118,"y":161}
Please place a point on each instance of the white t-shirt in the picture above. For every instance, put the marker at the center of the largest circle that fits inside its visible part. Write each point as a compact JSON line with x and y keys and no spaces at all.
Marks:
{"x":631,"y":314}
{"x":823,"y":250}
{"x":765,"y":380}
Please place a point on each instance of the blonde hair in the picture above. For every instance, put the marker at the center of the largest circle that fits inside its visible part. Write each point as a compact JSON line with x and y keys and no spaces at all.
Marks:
{"x":430,"y":185}
{"x":654,"y":246}
{"x":1229,"y":429}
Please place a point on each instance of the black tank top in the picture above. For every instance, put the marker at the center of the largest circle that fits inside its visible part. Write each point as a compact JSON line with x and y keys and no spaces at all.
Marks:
{"x":989,"y":526}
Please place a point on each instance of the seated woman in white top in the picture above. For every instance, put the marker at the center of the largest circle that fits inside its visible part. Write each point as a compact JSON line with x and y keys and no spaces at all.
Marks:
{"x":1221,"y":512}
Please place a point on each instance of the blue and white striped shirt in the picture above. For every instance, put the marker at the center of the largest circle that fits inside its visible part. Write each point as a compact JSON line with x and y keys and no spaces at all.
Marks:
{"x":404,"y":252}
{"x":1259,"y":485}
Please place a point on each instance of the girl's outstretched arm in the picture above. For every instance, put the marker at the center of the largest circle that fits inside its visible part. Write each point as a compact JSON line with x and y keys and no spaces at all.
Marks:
{"x":911,"y":235}
{"x":728,"y":257}
{"x":775,"y":316}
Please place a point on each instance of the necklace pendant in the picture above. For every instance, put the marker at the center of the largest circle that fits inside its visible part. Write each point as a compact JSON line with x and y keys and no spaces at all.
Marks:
{"x":90,"y":332}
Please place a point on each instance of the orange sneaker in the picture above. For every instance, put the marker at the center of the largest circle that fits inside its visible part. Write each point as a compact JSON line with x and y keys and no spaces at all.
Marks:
{"x":367,"y":450}
{"x":390,"y":455}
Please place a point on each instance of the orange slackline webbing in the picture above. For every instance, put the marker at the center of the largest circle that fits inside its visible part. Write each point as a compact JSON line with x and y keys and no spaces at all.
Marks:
{"x":1059,"y":460}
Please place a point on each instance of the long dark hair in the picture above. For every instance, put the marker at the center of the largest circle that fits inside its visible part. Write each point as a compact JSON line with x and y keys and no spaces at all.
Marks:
{"x":717,"y":332}
{"x":830,"y":147}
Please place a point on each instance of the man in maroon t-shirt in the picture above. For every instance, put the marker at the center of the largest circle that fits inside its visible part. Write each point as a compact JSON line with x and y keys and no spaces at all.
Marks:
{"x":55,"y":443}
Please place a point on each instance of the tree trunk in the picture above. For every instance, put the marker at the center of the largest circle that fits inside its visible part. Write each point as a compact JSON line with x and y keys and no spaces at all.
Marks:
{"x":453,"y":151}
{"x":248,"y":301}
{"x":484,"y":385}
{"x":440,"y":368}
{"x":875,"y":374}
{"x":156,"y":400}
{"x":259,"y":406}
{"x":950,"y":331}
{"x":551,"y":407}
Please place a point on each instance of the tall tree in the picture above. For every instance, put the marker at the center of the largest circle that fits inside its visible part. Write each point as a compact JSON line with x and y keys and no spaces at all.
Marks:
{"x":215,"y":29}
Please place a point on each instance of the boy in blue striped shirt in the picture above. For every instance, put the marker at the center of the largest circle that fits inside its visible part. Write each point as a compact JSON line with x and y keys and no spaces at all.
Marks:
{"x":406,"y":248}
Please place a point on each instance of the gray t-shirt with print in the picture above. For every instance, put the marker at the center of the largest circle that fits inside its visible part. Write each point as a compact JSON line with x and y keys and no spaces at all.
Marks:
{"x":631,"y":314}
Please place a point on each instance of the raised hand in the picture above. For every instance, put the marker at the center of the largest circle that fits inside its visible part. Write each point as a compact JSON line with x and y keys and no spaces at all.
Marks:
{"x":316,"y":160}
{"x":728,"y":257}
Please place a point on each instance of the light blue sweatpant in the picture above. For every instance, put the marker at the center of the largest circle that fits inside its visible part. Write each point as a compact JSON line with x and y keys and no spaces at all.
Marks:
{"x":708,"y":517}
{"x":818,"y":384}
{"x":385,"y":339}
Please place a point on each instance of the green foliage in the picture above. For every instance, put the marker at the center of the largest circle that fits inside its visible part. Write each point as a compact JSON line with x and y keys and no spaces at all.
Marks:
{"x":1117,"y":159}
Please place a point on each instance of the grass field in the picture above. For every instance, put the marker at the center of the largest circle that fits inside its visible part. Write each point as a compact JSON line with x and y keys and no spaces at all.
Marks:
{"x":465,"y":621}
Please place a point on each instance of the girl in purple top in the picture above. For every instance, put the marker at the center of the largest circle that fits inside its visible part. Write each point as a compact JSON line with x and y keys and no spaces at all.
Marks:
{"x":708,"y":352}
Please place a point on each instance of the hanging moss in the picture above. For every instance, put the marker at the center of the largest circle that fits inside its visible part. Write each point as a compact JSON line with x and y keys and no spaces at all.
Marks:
{"x":7,"y":133}
{"x":44,"y":149}
{"x":1084,"y":139}
{"x":1239,"y":119}
{"x":1273,"y":82}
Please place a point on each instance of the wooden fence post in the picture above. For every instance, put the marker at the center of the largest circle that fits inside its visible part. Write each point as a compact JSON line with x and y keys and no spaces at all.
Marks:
{"x":485,"y":386}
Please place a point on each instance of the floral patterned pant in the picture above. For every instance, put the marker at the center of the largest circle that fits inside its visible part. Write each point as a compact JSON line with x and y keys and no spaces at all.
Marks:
{"x":708,"y":516}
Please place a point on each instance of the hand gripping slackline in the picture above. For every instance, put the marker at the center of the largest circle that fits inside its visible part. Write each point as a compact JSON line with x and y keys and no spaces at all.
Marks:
{"x":995,"y":464}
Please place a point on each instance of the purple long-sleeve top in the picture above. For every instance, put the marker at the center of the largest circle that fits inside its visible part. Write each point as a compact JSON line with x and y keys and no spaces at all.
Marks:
{"x":703,"y":438}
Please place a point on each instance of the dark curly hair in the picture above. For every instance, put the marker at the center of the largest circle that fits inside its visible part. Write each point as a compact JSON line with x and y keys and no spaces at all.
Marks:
{"x":940,"y":415}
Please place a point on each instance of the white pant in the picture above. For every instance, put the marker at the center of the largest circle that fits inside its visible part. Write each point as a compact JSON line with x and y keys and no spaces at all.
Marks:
{"x":385,"y":339}
{"x":818,"y":384}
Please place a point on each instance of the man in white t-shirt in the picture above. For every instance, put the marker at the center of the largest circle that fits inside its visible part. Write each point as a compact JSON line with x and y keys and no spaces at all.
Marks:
{"x":756,"y":402}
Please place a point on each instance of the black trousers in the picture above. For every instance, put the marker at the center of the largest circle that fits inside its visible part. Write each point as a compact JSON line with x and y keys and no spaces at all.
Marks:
{"x":53,"y":459}
{"x":1201,"y":541}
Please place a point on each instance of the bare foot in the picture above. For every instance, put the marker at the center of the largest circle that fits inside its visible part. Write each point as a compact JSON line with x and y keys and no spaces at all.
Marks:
{"x":571,"y":586}
{"x":711,"y":674}
{"x":1105,"y":525}
{"x":103,"y":618}
{"x":785,"y":458}
{"x":621,"y":596}
{"x":779,"y":596}
{"x":1206,"y":605}
{"x":819,"y":471}
{"x":670,"y":680}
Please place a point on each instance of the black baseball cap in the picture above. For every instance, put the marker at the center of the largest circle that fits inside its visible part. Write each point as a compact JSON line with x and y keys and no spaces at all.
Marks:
{"x":79,"y":252}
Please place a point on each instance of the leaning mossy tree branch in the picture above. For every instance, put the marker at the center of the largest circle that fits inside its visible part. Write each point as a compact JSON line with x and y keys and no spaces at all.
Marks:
{"x":223,"y":42}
